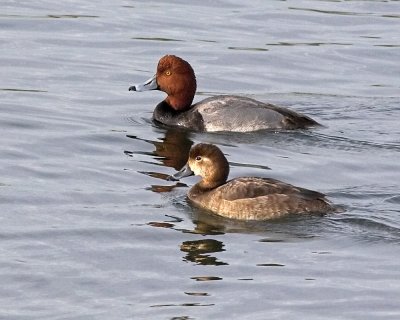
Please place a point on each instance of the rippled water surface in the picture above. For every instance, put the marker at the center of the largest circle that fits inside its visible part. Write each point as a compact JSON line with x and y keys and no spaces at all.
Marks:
{"x":90,"y":228}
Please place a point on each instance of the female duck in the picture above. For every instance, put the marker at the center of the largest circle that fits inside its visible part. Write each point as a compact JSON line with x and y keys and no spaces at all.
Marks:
{"x":176,"y":78}
{"x":247,"y":198}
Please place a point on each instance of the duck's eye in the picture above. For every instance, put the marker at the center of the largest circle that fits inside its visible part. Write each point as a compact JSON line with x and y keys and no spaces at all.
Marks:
{"x":167,"y":73}
{"x":198,"y":158}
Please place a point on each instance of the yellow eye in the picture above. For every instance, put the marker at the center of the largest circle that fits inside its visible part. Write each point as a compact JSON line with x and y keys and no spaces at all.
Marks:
{"x":167,"y":73}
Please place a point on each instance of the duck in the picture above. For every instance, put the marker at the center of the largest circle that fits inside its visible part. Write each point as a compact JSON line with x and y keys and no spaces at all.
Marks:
{"x":244,"y":198}
{"x":233,"y":113}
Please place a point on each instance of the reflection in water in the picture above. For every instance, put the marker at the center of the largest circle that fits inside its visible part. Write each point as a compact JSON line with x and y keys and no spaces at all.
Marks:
{"x":174,"y":148}
{"x":171,"y":151}
{"x":165,"y":224}
{"x":155,"y":39}
{"x":197,"y":251}
{"x":68,"y":16}
{"x":197,"y":294}
{"x":248,"y":48}
{"x":270,"y":240}
{"x":160,"y":188}
{"x":316,"y":44}
{"x":21,"y":90}
{"x":269,"y":265}
{"x":206,"y":278}
{"x":56,"y":16}
{"x":183,"y":305}
{"x":157,"y":224}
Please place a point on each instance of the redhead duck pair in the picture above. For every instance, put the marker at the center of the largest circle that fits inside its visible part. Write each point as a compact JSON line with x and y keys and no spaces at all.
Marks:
{"x":246,"y":198}
{"x":232,"y":113}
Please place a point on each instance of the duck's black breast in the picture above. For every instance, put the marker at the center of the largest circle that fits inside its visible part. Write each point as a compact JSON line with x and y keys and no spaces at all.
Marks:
{"x":190,"y":119}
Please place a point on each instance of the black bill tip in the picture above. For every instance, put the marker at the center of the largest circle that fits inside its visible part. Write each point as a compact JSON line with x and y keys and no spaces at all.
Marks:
{"x":172,"y":178}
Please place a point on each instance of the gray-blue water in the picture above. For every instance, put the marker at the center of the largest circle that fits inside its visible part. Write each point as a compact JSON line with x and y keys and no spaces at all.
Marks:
{"x":89,"y":228}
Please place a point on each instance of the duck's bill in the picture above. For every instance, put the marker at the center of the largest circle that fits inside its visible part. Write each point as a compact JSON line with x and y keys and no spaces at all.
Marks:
{"x":150,"y":84}
{"x":184,"y":172}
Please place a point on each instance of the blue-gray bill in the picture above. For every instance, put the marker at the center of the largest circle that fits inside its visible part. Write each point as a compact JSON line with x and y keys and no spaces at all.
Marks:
{"x":184,"y":172}
{"x":150,"y":84}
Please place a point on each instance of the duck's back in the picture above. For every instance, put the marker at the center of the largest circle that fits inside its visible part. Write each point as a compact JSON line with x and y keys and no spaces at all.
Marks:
{"x":242,"y":114}
{"x":260,"y":199}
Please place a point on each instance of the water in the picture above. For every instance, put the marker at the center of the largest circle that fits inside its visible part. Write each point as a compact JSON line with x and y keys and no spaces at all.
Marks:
{"x":89,"y":227}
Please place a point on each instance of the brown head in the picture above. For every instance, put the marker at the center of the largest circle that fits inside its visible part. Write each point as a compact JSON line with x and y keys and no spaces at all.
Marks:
{"x":207,"y":161}
{"x":176,"y":78}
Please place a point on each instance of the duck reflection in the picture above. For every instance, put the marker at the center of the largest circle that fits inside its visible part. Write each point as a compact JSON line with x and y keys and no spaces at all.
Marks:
{"x":198,"y":251}
{"x":171,"y":151}
{"x":174,"y":148}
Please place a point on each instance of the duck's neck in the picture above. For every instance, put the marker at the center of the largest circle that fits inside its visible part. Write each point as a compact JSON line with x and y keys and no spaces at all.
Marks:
{"x":180,"y":101}
{"x":201,"y":189}
{"x":209,"y":185}
{"x":181,"y":94}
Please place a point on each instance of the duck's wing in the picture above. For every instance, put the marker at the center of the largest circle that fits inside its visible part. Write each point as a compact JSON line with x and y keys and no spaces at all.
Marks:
{"x":252,"y":187}
{"x":242,"y":114}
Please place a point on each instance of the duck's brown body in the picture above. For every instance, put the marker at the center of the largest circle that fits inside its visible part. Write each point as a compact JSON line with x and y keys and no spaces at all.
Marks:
{"x":247,"y":198}
{"x":253,"y":198}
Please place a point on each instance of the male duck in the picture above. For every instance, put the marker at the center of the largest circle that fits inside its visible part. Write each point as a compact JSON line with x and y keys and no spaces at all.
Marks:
{"x":176,"y":78}
{"x":246,"y":198}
